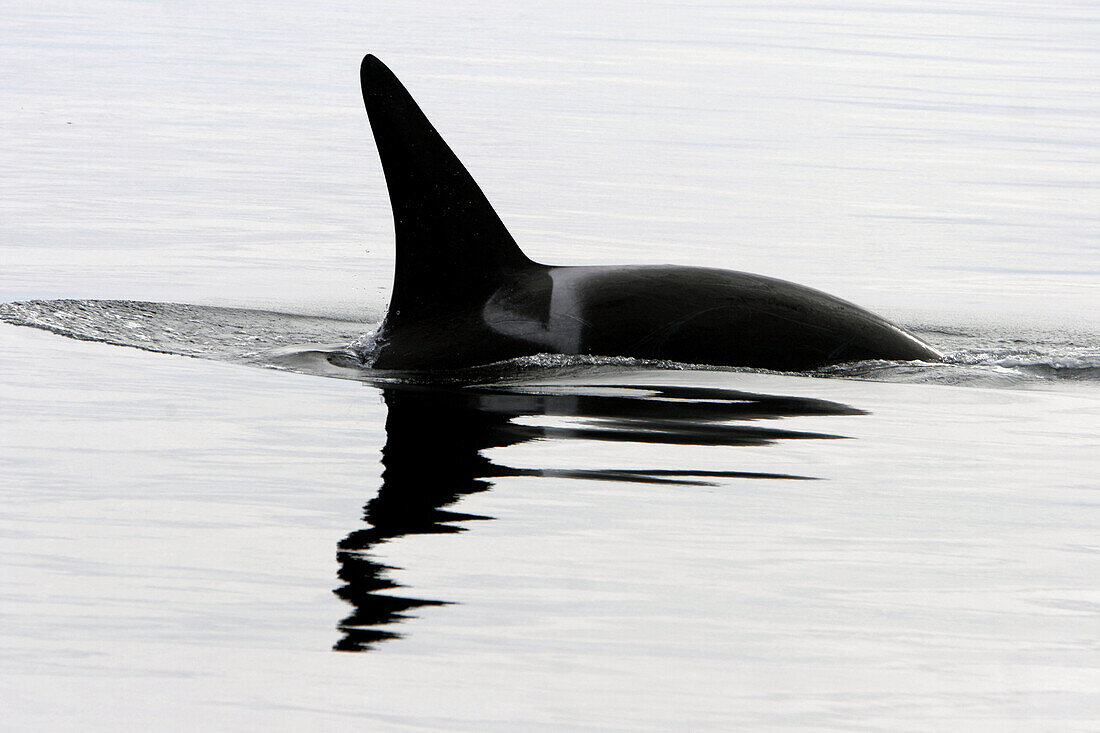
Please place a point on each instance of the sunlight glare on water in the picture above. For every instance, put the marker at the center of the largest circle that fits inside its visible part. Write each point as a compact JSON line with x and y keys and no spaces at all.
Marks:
{"x":574,"y":544}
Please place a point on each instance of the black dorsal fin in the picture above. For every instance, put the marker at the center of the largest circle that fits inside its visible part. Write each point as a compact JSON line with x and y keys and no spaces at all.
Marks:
{"x":453,"y":250}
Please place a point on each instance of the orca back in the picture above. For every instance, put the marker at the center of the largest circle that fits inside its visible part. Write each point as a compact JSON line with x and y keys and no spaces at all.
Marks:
{"x":465,"y":294}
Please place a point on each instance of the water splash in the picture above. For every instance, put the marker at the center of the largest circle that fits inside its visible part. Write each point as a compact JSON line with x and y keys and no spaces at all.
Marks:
{"x":335,"y":346}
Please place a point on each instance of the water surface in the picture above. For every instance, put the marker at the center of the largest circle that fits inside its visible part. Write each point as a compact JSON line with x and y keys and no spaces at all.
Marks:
{"x":551,"y":544}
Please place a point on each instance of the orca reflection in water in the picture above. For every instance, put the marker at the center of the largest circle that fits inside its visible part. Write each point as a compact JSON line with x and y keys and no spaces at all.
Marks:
{"x":434,"y":455}
{"x":464,"y":294}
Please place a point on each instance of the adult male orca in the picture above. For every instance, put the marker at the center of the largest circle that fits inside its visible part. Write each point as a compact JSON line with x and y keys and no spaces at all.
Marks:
{"x":464,"y":293}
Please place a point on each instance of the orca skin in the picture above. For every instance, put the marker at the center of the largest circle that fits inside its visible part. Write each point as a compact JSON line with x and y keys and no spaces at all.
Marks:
{"x":464,"y":293}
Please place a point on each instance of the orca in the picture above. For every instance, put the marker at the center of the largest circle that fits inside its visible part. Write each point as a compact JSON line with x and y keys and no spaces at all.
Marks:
{"x":464,"y":294}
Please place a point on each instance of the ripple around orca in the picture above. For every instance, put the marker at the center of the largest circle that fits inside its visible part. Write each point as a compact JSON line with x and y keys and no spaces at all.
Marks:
{"x":327,"y":346}
{"x":435,"y":454}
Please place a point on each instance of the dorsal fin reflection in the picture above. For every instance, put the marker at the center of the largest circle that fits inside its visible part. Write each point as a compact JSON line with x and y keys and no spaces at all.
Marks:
{"x":436,"y":439}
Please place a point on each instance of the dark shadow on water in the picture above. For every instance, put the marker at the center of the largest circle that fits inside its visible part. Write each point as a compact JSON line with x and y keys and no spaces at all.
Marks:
{"x":436,"y":438}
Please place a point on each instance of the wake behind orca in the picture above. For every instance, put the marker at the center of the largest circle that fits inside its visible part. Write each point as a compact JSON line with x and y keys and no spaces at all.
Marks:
{"x":464,"y":294}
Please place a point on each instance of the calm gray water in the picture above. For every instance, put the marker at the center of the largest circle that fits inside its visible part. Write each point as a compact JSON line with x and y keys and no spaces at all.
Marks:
{"x":569,"y":544}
